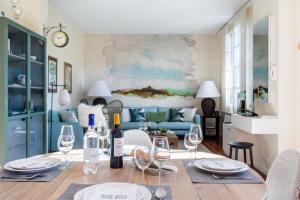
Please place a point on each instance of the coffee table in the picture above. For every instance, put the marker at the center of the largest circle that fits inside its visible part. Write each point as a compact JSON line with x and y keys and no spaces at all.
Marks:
{"x":172,"y":138}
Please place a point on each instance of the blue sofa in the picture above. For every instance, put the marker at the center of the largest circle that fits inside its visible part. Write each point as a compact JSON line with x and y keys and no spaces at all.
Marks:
{"x":56,"y":128}
{"x":180,"y":128}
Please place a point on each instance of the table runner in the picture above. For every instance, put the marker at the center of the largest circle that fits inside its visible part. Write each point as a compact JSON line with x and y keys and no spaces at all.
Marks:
{"x":73,"y":188}
{"x":198,"y":176}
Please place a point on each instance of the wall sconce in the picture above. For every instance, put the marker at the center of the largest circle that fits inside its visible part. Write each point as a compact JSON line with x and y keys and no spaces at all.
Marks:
{"x":16,"y":8}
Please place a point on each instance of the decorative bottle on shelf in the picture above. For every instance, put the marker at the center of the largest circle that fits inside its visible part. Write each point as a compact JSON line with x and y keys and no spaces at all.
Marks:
{"x":91,"y":148}
{"x":116,"y":155}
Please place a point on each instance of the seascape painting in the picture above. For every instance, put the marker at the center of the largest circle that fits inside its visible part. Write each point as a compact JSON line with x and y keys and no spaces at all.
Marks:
{"x":154,"y":67}
{"x":145,"y":70}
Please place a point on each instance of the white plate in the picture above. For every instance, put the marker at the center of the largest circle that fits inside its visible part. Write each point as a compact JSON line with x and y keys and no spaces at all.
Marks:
{"x":10,"y":165}
{"x":85,"y":194}
{"x":222,"y":164}
{"x":243,"y":168}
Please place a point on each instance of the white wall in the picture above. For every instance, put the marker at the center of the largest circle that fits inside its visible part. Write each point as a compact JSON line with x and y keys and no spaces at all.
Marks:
{"x":289,"y":74}
{"x":73,"y":53}
{"x":35,"y":13}
{"x":196,"y":56}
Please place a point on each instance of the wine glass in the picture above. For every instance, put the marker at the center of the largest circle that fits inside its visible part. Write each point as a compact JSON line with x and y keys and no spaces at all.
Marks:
{"x":65,"y":142}
{"x":161,"y":156}
{"x":195,"y":136}
{"x":142,"y":158}
{"x":190,"y":146}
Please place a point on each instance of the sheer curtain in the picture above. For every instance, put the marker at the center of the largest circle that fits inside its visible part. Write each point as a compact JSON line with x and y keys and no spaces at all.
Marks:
{"x":232,"y":62}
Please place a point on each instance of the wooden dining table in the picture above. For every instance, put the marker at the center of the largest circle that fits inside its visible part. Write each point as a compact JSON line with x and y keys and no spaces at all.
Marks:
{"x":180,"y":183}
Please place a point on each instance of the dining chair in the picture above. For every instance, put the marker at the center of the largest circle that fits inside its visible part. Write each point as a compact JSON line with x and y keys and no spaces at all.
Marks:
{"x":136,"y":137}
{"x":283,"y":179}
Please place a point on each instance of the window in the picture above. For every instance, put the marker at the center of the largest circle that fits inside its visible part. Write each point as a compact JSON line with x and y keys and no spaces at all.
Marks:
{"x":233,"y":68}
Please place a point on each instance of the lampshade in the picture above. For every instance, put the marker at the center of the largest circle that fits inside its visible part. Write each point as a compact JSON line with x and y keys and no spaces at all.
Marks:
{"x":64,"y":98}
{"x":99,"y":89}
{"x":208,"y":89}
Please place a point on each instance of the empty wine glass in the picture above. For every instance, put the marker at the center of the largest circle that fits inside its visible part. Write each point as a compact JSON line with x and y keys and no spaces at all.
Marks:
{"x":189,"y":146}
{"x":65,"y":142}
{"x":161,"y":156}
{"x":142,"y":158}
{"x":195,"y":136}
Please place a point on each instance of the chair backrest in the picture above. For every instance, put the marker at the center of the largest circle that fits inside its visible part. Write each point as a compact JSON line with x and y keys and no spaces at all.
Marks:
{"x":85,"y":110}
{"x":115,"y":106}
{"x":136,"y":137}
{"x":283,"y":179}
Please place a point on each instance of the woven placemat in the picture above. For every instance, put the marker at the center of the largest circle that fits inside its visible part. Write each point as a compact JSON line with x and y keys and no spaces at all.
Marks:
{"x":199,"y":176}
{"x":73,"y":188}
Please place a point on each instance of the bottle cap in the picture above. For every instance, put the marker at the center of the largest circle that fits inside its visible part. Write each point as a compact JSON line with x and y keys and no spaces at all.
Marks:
{"x":91,"y":120}
{"x":116,"y":119}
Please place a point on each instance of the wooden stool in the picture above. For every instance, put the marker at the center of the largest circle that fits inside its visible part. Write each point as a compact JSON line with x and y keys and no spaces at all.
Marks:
{"x":244,"y":146}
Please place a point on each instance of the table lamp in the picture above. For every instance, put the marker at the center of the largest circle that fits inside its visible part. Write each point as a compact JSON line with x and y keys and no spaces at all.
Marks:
{"x":208,"y":90}
{"x":99,"y":89}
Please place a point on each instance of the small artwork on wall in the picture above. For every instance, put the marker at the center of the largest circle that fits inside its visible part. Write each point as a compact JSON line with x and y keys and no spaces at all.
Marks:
{"x":52,"y":74}
{"x":68,"y":76}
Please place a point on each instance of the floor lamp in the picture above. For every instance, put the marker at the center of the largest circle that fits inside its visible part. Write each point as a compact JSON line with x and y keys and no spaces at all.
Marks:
{"x":64,"y":99}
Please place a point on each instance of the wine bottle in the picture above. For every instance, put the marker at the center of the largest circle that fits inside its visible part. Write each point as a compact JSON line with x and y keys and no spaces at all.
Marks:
{"x":91,"y":148}
{"x":116,"y":155}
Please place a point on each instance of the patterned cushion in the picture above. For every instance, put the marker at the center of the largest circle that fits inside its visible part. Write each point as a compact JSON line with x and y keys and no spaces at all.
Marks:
{"x":137,"y":114}
{"x":177,"y":115}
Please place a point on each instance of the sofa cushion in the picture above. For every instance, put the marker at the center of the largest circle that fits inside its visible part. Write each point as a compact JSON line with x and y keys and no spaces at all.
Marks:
{"x":55,"y":116}
{"x":177,"y":115}
{"x":137,"y":114}
{"x":165,"y":109}
{"x":149,"y":109}
{"x":68,"y":116}
{"x":84,"y":111}
{"x":136,"y":125}
{"x":175,"y":125}
{"x":189,"y":114}
{"x":125,"y":115}
{"x":157,"y":116}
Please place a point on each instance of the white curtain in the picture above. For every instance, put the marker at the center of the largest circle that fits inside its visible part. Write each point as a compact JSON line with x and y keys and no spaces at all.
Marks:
{"x":232,"y":38}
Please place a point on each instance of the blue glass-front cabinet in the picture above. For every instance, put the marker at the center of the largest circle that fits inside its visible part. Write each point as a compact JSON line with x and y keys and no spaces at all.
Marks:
{"x":23,"y":92}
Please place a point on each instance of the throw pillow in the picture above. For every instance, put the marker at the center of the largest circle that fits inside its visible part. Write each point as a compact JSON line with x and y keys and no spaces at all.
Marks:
{"x":68,"y":116}
{"x":125,"y":115}
{"x":157,"y":116}
{"x":177,"y":115}
{"x":137,"y":114}
{"x":189,"y":114}
{"x":85,"y":110}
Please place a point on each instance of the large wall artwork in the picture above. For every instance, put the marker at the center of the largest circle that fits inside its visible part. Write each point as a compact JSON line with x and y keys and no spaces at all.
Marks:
{"x":154,"y":67}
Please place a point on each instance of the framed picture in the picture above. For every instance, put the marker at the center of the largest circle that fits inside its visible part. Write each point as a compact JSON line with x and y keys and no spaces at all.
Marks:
{"x":68,"y":76}
{"x":52,"y":74}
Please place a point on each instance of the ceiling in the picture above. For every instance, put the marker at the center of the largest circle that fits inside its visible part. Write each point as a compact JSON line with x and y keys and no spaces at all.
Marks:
{"x":148,"y":16}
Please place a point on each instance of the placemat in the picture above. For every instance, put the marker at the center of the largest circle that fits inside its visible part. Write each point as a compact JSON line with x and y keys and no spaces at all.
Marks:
{"x":199,"y":176}
{"x":73,"y":188}
{"x":46,"y":176}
